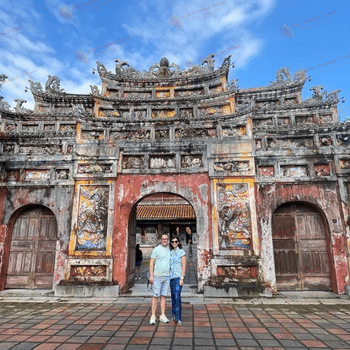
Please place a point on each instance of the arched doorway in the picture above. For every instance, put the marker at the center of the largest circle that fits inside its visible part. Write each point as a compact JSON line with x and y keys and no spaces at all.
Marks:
{"x":162,"y":213}
{"x":299,"y":234}
{"x":32,"y":252}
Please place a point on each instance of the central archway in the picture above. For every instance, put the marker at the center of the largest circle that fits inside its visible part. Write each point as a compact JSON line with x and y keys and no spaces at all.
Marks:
{"x":156,"y":214}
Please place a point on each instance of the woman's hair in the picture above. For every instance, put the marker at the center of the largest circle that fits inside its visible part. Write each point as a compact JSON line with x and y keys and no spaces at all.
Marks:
{"x":179,"y":245}
{"x":137,"y":247}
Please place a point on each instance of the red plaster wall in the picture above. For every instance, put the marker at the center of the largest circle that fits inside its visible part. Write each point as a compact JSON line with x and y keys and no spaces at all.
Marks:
{"x":130,"y":189}
{"x":326,"y":197}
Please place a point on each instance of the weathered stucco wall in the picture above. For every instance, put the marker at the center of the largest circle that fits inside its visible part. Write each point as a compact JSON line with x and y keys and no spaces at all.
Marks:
{"x":14,"y":200}
{"x":130,"y":189}
{"x":325,"y":196}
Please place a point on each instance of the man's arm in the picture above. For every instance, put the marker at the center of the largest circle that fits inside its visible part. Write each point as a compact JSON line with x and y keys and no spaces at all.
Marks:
{"x":151,"y":269}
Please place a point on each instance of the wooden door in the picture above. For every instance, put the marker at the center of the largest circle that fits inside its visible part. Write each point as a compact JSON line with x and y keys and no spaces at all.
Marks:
{"x":32,"y":252}
{"x":132,"y":249}
{"x":300,"y":248}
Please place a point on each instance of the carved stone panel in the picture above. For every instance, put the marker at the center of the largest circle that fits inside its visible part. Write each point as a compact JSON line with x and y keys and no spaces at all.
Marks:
{"x":192,"y":92}
{"x":92,"y":218}
{"x":234,"y":221}
{"x":133,"y":162}
{"x":9,"y":148}
{"x":67,"y":127}
{"x":234,"y":131}
{"x":322,"y":170}
{"x":10,"y":127}
{"x":186,"y":113}
{"x":92,"y":135}
{"x":161,"y":134}
{"x":163,"y":113}
{"x":343,"y":139}
{"x":142,"y":134}
{"x":163,"y":93}
{"x":283,"y":121}
{"x":13,"y":176}
{"x":52,"y":149}
{"x":37,"y":175}
{"x":62,"y":174}
{"x":266,"y":171}
{"x":49,"y":127}
{"x":136,"y":94}
{"x":290,"y":143}
{"x":290,"y":101}
{"x":30,"y":127}
{"x":140,"y":114}
{"x":325,"y":140}
{"x":262,"y":122}
{"x":258,"y":143}
{"x":191,"y":161}
{"x":192,"y":133}
{"x":304,"y":119}
{"x":94,"y":168}
{"x":234,"y":167}
{"x":344,"y":163}
{"x":88,"y":270}
{"x":204,"y":111}
{"x":162,"y":162}
{"x":234,"y":272}
{"x":295,"y":171}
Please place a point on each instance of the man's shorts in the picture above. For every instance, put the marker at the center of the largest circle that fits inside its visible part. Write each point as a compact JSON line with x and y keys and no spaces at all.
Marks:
{"x":160,"y":286}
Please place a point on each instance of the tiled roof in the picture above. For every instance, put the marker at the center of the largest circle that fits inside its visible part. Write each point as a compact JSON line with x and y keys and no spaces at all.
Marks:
{"x":165,"y":211}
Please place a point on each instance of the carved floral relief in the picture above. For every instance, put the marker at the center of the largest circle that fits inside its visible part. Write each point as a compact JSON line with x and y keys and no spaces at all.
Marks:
{"x":92,"y":218}
{"x":163,"y":113}
{"x":234,"y":216}
{"x":37,"y":175}
{"x":266,"y":171}
{"x":234,"y":131}
{"x":322,"y":170}
{"x":29,"y":128}
{"x":232,"y":166}
{"x":10,"y":127}
{"x":67,"y":127}
{"x":88,"y":270}
{"x":161,"y":162}
{"x":191,"y":161}
{"x":142,"y":134}
{"x":133,"y":162}
{"x":307,"y":119}
{"x":184,"y":93}
{"x":94,"y":168}
{"x":49,"y":127}
{"x":161,"y":134}
{"x":234,"y":271}
{"x":92,"y":135}
{"x":62,"y":174}
{"x":186,"y":113}
{"x":9,"y":148}
{"x":192,"y":133}
{"x":294,"y":170}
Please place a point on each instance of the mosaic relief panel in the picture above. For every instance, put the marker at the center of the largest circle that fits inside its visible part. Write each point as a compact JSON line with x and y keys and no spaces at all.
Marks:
{"x":343,"y":140}
{"x":133,"y":162}
{"x":290,"y":101}
{"x":9,"y":148}
{"x":184,"y":93}
{"x":283,"y":121}
{"x":140,"y":114}
{"x":308,"y":119}
{"x":164,"y":93}
{"x":344,"y":163}
{"x":294,"y":171}
{"x":37,"y":175}
{"x":233,"y":166}
{"x":162,"y":134}
{"x":191,"y":161}
{"x":266,"y":171}
{"x":13,"y":175}
{"x":62,"y":174}
{"x":234,"y":131}
{"x":325,"y":141}
{"x":234,"y":216}
{"x":49,"y":127}
{"x":258,"y":143}
{"x":262,"y":122}
{"x":161,"y":162}
{"x":67,"y":127}
{"x":186,"y":113}
{"x":166,"y":113}
{"x":92,"y":135}
{"x":215,"y":110}
{"x":92,"y":218}
{"x":94,"y":168}
{"x":10,"y":127}
{"x":192,"y":133}
{"x":322,"y":170}
{"x":288,"y":143}
{"x":234,"y":271}
{"x":30,"y":128}
{"x":142,"y":134}
{"x":267,"y":104}
{"x":88,"y":270}
{"x":52,"y":149}
{"x":136,"y":94}
{"x":69,"y":149}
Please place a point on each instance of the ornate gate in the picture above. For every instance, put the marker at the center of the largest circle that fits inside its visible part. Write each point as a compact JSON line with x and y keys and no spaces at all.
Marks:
{"x":32,"y":252}
{"x":300,"y":248}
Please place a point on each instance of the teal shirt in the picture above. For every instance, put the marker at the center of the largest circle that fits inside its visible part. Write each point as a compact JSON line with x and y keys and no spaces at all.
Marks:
{"x":161,"y":256}
{"x":175,"y":262}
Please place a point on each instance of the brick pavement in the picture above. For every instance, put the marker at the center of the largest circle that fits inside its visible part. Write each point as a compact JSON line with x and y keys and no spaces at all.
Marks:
{"x":124,"y":324}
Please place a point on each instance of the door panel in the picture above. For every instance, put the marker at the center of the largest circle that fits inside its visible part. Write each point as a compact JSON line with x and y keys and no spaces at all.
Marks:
{"x":132,"y":250}
{"x":302,"y":260}
{"x":32,"y":251}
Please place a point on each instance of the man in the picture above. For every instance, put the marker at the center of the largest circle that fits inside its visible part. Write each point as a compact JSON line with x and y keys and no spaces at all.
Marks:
{"x":159,"y":275}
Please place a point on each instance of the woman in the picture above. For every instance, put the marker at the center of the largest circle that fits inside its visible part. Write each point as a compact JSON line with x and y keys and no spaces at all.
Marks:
{"x":177,"y":275}
{"x":138,"y":260}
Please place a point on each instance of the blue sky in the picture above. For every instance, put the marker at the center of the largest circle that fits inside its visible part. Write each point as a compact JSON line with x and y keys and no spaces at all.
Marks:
{"x":53,"y":37}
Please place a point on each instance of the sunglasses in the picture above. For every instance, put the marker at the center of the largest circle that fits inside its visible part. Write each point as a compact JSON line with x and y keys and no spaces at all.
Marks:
{"x":174,"y":241}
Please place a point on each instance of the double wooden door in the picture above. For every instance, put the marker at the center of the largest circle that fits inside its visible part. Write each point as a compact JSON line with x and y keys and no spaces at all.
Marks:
{"x":132,"y":250}
{"x":32,"y":252}
{"x":300,"y":248}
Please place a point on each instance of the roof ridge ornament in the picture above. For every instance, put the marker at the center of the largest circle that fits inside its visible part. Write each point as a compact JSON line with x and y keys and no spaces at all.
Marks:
{"x":52,"y":85}
{"x":35,"y":86}
{"x":19,"y":106}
